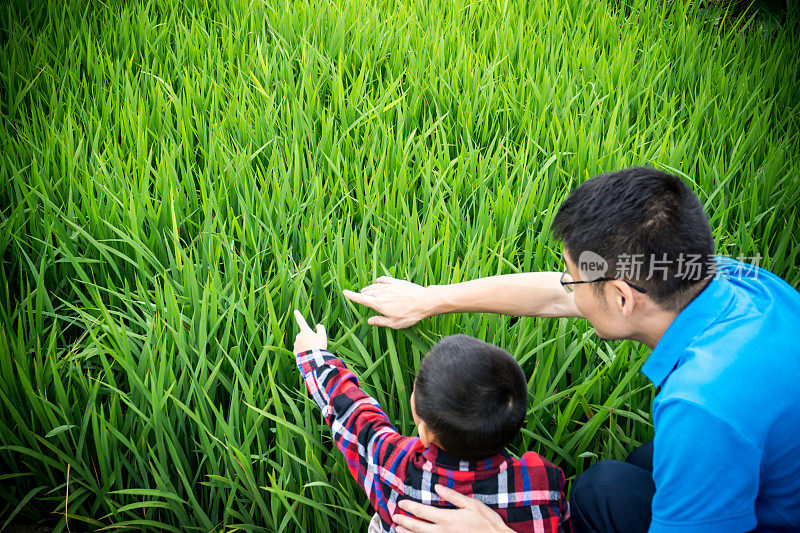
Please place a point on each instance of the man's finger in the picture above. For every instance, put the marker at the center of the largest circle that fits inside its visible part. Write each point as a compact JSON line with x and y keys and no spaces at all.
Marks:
{"x":412,"y":524}
{"x":298,"y":316}
{"x":426,"y":512}
{"x":379,"y":320}
{"x":363,"y":299}
{"x":321,"y":330}
{"x":456,"y":498}
{"x":370,"y":288}
{"x":385,"y":279}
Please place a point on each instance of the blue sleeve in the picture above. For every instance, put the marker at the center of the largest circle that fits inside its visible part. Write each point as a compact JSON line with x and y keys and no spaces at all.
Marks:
{"x":705,"y":471}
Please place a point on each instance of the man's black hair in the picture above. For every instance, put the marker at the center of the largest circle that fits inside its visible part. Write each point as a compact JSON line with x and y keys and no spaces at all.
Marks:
{"x":641,"y":216}
{"x":472,"y":395}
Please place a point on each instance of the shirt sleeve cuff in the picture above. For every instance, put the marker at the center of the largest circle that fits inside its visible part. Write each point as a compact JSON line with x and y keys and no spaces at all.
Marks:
{"x":310,"y":360}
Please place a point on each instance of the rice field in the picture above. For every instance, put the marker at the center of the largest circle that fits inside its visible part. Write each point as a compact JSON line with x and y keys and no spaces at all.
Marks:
{"x":177,"y":176}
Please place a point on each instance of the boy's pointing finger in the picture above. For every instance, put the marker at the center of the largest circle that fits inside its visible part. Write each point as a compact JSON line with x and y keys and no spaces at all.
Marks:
{"x":298,"y":316}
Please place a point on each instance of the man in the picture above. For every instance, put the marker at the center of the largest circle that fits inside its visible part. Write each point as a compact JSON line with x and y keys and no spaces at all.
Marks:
{"x":639,"y":255}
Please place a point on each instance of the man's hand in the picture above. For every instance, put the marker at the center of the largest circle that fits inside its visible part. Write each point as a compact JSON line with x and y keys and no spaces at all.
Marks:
{"x":307,"y":339}
{"x":401,"y":302}
{"x":471,"y":515}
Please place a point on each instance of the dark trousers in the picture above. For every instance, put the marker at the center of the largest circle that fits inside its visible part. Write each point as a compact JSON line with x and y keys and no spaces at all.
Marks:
{"x":615,"y":496}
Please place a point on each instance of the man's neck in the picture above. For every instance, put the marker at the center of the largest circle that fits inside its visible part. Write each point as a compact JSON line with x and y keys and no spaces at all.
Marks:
{"x":657,"y":322}
{"x":654,"y":328}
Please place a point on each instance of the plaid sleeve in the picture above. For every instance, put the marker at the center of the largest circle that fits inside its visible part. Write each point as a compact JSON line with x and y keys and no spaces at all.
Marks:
{"x":563,"y":504}
{"x":375,"y":453}
{"x":542,"y":485}
{"x":555,"y":475}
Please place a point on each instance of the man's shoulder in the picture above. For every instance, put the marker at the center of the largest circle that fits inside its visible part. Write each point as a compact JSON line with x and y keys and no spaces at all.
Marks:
{"x":758,"y":286}
{"x":749,"y":340}
{"x":750,"y":386}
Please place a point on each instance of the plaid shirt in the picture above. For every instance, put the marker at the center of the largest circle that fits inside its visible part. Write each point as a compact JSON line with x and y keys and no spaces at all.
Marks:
{"x":528,"y":493}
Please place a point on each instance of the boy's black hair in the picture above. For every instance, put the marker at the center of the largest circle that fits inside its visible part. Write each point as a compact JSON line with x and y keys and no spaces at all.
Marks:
{"x":472,"y":395}
{"x":641,"y":212}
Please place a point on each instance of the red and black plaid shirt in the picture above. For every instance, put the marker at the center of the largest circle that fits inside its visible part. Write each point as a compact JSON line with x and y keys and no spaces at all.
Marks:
{"x":528,"y":493}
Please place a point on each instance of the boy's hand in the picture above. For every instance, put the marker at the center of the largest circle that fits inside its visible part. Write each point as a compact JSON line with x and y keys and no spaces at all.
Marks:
{"x":307,"y":339}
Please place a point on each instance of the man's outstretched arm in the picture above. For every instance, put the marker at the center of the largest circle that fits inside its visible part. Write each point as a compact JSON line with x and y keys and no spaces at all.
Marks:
{"x":403,"y":304}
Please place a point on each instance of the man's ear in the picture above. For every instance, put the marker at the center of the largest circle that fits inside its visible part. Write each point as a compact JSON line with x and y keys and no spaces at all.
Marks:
{"x":622,"y":296}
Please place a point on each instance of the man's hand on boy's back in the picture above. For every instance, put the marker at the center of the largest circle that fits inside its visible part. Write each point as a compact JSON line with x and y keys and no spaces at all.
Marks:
{"x":470,"y":515}
{"x":307,"y":339}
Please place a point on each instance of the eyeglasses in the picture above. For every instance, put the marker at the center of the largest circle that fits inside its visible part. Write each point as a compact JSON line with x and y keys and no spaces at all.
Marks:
{"x":567,"y":282}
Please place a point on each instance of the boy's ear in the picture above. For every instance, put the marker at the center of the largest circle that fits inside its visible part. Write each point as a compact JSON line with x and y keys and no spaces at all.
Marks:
{"x":425,"y":434}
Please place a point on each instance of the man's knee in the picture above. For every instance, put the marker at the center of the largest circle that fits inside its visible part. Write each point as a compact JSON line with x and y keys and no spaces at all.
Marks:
{"x":596,"y":484}
{"x":642,"y":456}
{"x":612,"y":496}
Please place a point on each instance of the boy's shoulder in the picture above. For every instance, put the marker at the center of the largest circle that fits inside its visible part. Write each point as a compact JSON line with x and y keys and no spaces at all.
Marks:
{"x":543,"y":474}
{"x":529,"y":477}
{"x":534,"y":460}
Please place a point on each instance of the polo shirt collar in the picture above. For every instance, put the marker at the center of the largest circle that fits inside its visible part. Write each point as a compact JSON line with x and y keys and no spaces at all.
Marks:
{"x":695,"y":318}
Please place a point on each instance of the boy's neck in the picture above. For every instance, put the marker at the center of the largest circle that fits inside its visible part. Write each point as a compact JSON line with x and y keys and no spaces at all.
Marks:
{"x":441,"y":458}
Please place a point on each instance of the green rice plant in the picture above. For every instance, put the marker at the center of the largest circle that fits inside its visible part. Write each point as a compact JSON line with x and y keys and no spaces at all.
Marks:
{"x":177,"y":176}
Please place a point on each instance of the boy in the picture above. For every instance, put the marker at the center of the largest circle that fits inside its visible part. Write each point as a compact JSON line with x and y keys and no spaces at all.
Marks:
{"x":468,"y":403}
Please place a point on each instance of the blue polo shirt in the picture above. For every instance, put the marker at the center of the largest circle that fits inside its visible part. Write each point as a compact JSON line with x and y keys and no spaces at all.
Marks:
{"x":727,"y":418}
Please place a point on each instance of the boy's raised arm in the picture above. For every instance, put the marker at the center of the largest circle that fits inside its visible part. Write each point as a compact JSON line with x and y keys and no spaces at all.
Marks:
{"x":403,"y":303}
{"x":356,"y":420}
